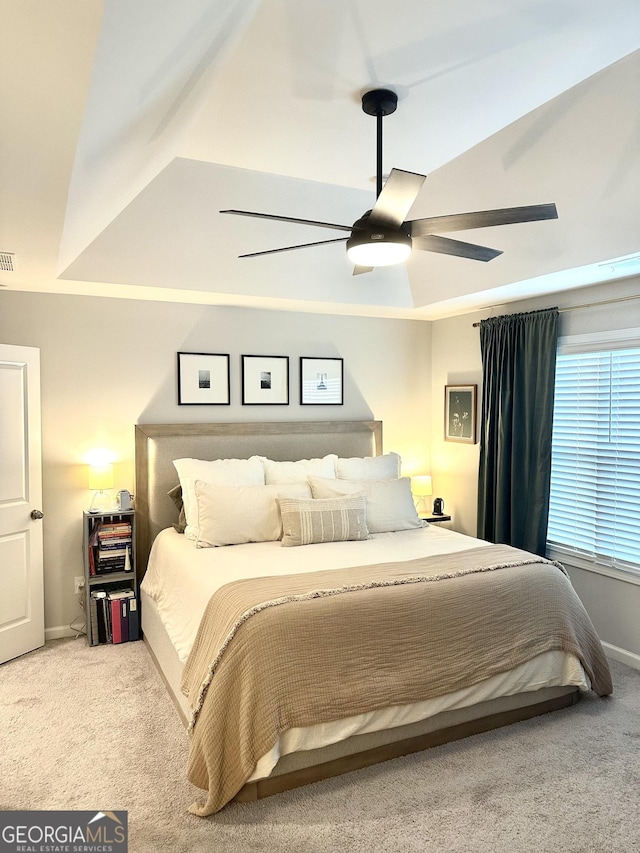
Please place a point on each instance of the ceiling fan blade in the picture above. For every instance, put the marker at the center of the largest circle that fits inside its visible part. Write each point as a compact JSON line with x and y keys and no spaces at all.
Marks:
{"x":482,"y":219}
{"x":396,"y":198}
{"x":445,"y":246}
{"x":290,"y":248}
{"x":289,"y":219}
{"x":359,"y":270}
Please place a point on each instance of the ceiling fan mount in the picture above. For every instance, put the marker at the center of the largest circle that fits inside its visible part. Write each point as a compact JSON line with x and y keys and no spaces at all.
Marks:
{"x":383,"y":236}
{"x":379,"y":102}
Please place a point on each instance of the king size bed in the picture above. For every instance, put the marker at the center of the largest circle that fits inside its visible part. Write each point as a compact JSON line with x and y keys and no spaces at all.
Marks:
{"x":375,"y":636}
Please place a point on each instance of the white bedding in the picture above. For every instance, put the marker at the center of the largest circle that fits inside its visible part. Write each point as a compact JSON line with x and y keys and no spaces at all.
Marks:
{"x":182,"y":578}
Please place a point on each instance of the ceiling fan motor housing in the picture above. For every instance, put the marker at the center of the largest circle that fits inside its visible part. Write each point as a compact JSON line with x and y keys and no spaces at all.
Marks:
{"x":380,"y":244}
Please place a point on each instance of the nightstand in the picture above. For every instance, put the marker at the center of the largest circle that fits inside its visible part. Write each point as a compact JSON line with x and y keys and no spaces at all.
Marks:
{"x":435,"y":519}
{"x":110,"y":584}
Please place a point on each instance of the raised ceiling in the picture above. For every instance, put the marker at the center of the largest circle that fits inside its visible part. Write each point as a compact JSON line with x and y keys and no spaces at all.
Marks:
{"x":128,"y":126}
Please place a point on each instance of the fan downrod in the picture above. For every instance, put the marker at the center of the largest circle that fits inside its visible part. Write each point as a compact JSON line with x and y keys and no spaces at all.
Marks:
{"x":379,"y":103}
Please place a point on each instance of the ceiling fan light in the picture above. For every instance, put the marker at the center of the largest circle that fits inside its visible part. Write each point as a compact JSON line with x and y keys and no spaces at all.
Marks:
{"x":370,"y":251}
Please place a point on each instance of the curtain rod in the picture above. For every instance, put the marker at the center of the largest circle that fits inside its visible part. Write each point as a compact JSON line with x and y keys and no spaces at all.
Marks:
{"x":586,"y":305}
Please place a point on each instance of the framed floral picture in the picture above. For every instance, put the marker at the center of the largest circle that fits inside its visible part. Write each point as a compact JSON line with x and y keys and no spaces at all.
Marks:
{"x":265,"y":380}
{"x":460,"y":413}
{"x":203,"y":379}
{"x":321,"y":381}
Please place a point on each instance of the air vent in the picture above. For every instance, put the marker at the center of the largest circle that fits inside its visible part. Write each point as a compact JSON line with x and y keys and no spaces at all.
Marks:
{"x":6,"y":262}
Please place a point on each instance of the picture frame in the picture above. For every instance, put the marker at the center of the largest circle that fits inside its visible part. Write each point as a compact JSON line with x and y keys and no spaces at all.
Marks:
{"x":321,"y":381}
{"x":265,"y":380}
{"x":460,"y":404}
{"x":203,"y":379}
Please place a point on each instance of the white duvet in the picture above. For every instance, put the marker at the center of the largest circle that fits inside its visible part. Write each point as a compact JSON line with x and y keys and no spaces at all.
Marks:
{"x":182,"y":578}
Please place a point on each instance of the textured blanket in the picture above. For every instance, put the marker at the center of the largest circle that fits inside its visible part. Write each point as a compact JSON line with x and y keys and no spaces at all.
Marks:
{"x":281,"y":652}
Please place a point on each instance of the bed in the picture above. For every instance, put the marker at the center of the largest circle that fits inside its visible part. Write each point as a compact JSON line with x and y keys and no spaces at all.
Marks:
{"x":404,"y":629}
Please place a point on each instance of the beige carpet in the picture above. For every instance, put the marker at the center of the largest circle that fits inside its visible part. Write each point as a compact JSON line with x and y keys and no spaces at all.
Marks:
{"x":92,"y":728}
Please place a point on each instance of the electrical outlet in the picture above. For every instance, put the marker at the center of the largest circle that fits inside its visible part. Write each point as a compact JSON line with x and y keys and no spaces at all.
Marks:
{"x":78,"y":584}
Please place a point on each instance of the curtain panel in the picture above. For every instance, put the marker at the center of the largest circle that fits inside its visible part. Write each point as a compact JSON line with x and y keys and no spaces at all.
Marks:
{"x":518,"y":372}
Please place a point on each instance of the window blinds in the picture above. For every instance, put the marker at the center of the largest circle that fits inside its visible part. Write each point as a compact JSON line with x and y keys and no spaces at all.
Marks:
{"x":595,"y":469}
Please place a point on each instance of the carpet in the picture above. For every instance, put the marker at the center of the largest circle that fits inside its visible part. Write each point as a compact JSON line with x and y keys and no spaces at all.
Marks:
{"x":93,"y":728}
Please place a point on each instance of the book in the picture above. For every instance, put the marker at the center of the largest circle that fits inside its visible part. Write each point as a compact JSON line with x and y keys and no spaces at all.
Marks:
{"x":115,"y":529}
{"x":99,"y":634}
{"x":134,"y":618}
{"x":93,"y":618}
{"x":116,"y":564}
{"x":120,"y":614}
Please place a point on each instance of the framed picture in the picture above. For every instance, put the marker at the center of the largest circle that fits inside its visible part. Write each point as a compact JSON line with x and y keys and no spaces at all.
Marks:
{"x":265,"y":380}
{"x":321,"y":382}
{"x":203,"y":379}
{"x":460,"y":413}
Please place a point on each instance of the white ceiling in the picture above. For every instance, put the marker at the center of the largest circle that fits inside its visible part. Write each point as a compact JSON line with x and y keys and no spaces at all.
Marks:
{"x":128,"y":126}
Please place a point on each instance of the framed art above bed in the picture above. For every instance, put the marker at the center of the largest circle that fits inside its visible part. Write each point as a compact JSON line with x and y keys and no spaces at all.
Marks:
{"x":321,"y":381}
{"x":203,"y":379}
{"x":265,"y":380}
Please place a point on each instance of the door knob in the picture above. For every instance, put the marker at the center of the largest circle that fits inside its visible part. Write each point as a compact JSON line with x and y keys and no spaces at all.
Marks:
{"x":36,"y":514}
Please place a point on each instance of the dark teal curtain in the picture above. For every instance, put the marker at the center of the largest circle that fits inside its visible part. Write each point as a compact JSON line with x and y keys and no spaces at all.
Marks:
{"x":518,"y":374}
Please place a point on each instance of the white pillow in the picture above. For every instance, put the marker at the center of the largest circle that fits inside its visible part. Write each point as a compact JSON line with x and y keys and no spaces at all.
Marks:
{"x":390,"y":503}
{"x":297,"y":472}
{"x":235,"y":515}
{"x":220,"y":472}
{"x":311,"y":522}
{"x":385,"y":467}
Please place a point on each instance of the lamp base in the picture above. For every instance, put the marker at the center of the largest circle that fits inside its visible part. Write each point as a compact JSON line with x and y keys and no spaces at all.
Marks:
{"x":101,"y":502}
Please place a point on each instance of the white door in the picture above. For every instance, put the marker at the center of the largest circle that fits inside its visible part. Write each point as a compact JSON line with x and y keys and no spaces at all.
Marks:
{"x":21,"y":571}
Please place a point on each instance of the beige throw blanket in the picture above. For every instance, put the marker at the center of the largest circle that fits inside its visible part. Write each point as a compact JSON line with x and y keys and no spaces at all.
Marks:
{"x":281,"y":652}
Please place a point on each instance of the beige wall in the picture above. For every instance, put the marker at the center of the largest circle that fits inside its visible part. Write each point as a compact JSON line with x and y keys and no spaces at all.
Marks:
{"x":110,"y":363}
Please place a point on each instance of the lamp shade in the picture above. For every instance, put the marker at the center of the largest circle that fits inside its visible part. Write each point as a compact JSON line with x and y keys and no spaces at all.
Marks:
{"x":101,"y":477}
{"x":421,"y":485}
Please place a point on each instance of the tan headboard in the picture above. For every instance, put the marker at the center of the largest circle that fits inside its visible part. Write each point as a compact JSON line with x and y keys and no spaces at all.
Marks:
{"x":157,"y":445}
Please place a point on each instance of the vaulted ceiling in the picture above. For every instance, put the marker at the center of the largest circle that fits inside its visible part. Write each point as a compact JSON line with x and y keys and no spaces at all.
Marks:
{"x":128,"y":126}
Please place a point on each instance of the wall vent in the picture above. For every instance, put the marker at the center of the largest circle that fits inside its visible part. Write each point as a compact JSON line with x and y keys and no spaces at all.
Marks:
{"x":6,"y":262}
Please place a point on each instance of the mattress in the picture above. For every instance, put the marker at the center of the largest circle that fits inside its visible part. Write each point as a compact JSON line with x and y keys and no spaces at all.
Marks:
{"x":181,"y":578}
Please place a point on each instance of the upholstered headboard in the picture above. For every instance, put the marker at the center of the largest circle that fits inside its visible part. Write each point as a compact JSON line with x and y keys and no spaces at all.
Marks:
{"x":157,"y":445}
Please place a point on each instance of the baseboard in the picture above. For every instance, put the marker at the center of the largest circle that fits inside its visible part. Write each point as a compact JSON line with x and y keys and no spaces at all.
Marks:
{"x":58,"y":632}
{"x":622,"y":655}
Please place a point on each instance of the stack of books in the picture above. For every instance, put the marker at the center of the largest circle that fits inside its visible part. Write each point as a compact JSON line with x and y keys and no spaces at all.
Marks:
{"x":114,"y":616}
{"x":110,"y":547}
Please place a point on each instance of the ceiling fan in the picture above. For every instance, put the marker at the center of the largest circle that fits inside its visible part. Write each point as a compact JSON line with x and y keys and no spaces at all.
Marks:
{"x":382,"y":236}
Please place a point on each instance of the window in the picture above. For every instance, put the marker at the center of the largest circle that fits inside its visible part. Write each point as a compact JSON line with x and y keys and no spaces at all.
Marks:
{"x":594,"y":511}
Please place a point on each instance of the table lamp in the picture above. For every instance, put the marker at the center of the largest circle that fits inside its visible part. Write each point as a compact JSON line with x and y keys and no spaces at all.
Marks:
{"x":421,"y":488}
{"x":100,"y":481}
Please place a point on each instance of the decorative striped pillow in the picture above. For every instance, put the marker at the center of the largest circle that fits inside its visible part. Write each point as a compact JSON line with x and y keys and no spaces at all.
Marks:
{"x":311,"y":522}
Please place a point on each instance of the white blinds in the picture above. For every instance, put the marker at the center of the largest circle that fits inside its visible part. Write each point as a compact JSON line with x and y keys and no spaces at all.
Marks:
{"x":595,"y":470}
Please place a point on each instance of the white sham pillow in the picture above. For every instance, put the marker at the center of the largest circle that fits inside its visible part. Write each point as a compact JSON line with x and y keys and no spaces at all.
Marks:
{"x":297,"y":472}
{"x":220,"y":472}
{"x":235,"y":515}
{"x":390,"y":503}
{"x":385,"y":467}
{"x":312,"y":522}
